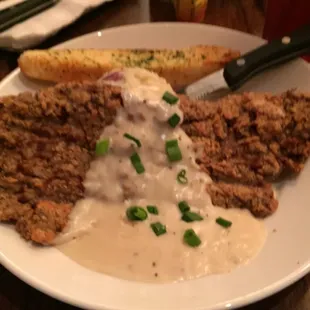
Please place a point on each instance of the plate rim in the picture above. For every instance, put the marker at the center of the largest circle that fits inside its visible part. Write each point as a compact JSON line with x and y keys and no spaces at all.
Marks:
{"x":251,"y":298}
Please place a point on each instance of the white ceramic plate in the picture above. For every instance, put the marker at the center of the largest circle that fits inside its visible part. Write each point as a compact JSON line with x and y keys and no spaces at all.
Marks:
{"x":284,"y":259}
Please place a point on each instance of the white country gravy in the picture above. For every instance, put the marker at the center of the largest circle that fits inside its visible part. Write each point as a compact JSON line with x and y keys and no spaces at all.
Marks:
{"x":101,"y":238}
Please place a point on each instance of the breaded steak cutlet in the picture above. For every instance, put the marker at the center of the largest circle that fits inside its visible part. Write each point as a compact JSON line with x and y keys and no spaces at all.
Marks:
{"x":47,"y":140}
{"x":250,"y":138}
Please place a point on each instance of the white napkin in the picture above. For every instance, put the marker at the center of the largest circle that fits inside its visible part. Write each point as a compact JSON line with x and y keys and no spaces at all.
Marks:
{"x":45,"y":24}
{"x":7,"y":3}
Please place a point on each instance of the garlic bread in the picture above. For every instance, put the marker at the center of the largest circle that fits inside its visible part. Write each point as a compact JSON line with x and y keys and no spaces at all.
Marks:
{"x":179,"y":67}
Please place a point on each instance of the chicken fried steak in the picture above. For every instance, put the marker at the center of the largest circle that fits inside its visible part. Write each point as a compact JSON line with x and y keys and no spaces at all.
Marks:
{"x":250,"y":138}
{"x":48,"y":138}
{"x":47,"y":142}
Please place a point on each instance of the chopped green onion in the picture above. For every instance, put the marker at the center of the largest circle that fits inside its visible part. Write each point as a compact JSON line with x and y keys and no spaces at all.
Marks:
{"x":191,"y":217}
{"x":136,"y":162}
{"x":191,"y":239}
{"x":152,"y":209}
{"x":174,"y":120}
{"x":181,"y":177}
{"x":102,"y":147}
{"x":158,"y":228}
{"x":136,"y":213}
{"x":135,"y":140}
{"x":170,"y":98}
{"x":183,"y":206}
{"x":224,"y":223}
{"x":173,"y":151}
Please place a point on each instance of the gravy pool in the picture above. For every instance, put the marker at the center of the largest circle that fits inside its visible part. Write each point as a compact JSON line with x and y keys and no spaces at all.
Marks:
{"x":101,"y":238}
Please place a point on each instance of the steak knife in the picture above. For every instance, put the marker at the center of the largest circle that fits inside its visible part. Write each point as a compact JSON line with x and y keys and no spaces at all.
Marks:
{"x":238,"y":71}
{"x":22,"y":11}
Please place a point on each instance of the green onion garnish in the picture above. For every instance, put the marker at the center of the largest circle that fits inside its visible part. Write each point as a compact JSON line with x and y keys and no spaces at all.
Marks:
{"x":102,"y":147}
{"x":183,"y":206}
{"x":173,"y":151}
{"x":170,"y":98}
{"x":191,"y":238}
{"x":136,"y":162}
{"x":191,"y":217}
{"x":158,"y":228}
{"x":224,"y":223}
{"x":136,"y":213}
{"x":135,"y":140}
{"x":174,"y":120}
{"x":181,"y":177}
{"x":152,"y":209}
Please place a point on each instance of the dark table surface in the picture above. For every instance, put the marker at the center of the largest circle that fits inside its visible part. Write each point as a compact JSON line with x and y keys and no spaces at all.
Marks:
{"x":244,"y":15}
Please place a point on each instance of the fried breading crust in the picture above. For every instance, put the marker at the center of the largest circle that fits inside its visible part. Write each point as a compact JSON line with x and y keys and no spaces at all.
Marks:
{"x":260,"y":200}
{"x":47,"y":141}
{"x":250,"y":138}
{"x":42,"y":223}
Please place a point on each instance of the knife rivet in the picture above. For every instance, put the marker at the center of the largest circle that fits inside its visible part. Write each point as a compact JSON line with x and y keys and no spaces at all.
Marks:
{"x":241,"y":62}
{"x":286,"y":40}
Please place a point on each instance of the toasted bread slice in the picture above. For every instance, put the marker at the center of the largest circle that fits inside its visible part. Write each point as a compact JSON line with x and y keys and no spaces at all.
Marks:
{"x":179,"y":67}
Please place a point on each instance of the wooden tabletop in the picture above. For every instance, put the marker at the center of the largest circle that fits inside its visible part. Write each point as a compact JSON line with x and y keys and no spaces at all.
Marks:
{"x":244,"y":15}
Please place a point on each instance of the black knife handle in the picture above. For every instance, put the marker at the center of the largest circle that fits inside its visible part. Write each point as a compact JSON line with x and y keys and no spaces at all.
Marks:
{"x":238,"y":71}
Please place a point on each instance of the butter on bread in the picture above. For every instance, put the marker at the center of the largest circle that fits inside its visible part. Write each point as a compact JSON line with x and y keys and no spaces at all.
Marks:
{"x":179,"y":67}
